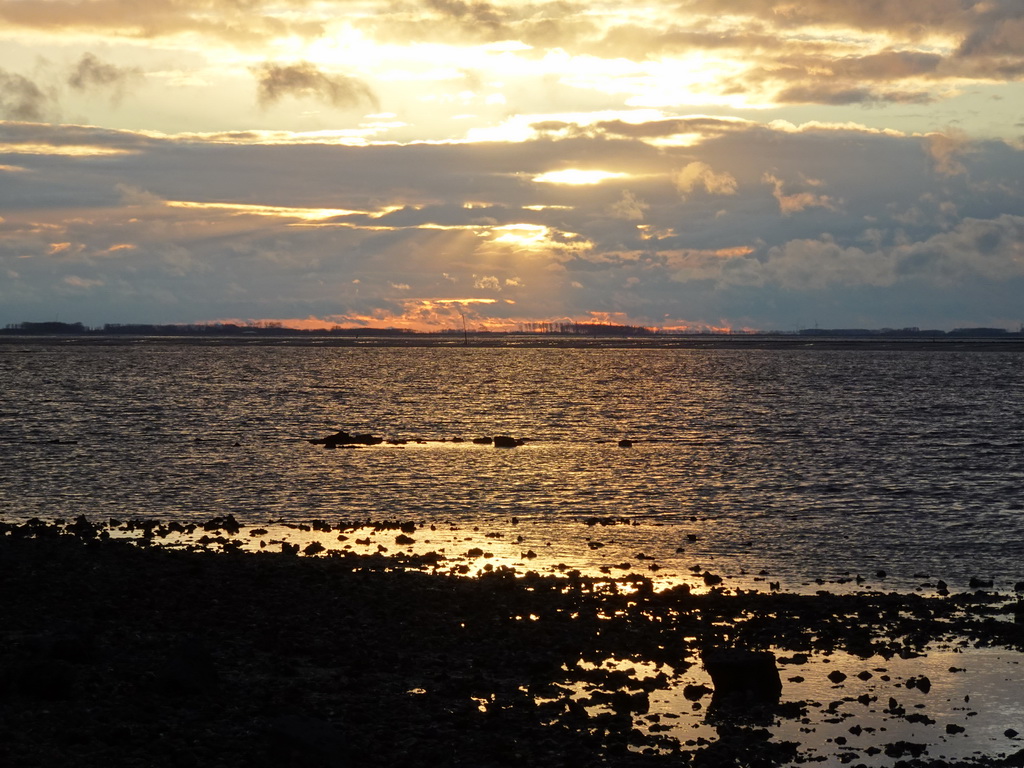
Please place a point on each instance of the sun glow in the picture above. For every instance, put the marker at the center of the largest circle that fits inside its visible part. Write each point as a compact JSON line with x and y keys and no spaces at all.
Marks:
{"x":305,"y":214}
{"x":523,"y":235}
{"x":61,"y":150}
{"x":576,"y":176}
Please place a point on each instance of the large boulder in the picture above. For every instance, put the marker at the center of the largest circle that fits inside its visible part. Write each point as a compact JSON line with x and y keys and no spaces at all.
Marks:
{"x":742,"y":677}
{"x":505,"y":441}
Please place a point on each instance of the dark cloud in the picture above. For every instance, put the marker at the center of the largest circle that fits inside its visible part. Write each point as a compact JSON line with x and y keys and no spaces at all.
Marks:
{"x":840,"y":94}
{"x":91,"y":73}
{"x":634,"y":41}
{"x":781,"y":43}
{"x":908,"y":18}
{"x":888,"y":65}
{"x":542,"y":25}
{"x":706,"y":126}
{"x":751,"y":217}
{"x":304,"y":80}
{"x":243,"y":22}
{"x":21,"y":98}
{"x":78,"y":135}
{"x":998,"y":31}
{"x":476,"y":13}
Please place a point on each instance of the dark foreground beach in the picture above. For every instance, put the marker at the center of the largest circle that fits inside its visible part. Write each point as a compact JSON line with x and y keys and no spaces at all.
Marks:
{"x":116,"y":654}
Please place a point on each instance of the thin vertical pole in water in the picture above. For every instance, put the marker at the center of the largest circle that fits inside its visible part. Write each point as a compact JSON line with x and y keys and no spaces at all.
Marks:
{"x":465,"y":333}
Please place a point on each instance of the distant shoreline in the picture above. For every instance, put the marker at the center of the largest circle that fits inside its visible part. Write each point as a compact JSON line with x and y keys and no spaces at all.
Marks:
{"x":1003,"y":343}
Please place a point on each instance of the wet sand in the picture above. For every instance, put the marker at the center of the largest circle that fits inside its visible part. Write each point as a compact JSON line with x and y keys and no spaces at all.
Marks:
{"x":118,"y":654}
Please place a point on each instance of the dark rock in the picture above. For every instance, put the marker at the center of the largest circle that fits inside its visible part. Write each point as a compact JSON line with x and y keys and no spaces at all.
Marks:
{"x":45,"y":679}
{"x":295,"y":740}
{"x":188,"y":670}
{"x":625,"y":443}
{"x":482,"y":440}
{"x":922,"y":683}
{"x":76,"y":646}
{"x":796,"y":658}
{"x":836,"y":676}
{"x":506,"y":441}
{"x":976,"y":583}
{"x":901,"y":748}
{"x":344,"y":438}
{"x":83,"y":528}
{"x":742,"y":676}
{"x":696,"y":692}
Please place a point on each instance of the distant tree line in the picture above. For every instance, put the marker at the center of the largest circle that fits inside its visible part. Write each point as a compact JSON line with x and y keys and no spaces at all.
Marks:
{"x":47,"y":328}
{"x":273,"y":328}
{"x":908,"y":332}
{"x":267,"y":328}
{"x":586,"y":329}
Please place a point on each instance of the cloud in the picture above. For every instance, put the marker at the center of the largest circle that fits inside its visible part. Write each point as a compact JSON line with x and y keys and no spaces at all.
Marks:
{"x":628,"y":208}
{"x":887,"y":65}
{"x":945,"y":150}
{"x":20,"y":98}
{"x":998,"y":31}
{"x":304,"y":80}
{"x":243,"y":23}
{"x":699,"y":174}
{"x":791,"y":201}
{"x":198,"y":228}
{"x":906,"y":18}
{"x":841,"y":94}
{"x":91,"y":74}
{"x":488,"y":283}
{"x":82,"y":283}
{"x":476,"y":13}
{"x":975,"y":250}
{"x":705,"y":126}
{"x":992,"y":249}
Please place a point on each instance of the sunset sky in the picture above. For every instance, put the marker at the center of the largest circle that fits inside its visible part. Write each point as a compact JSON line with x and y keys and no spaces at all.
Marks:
{"x":761,"y":164}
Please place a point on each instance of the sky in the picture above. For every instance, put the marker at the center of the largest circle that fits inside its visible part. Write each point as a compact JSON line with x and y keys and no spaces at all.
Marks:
{"x":690,"y":165}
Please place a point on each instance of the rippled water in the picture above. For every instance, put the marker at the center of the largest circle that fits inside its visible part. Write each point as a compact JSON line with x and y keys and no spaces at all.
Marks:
{"x":804,"y":463}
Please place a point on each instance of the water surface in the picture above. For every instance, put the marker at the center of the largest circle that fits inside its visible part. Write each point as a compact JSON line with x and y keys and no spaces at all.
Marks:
{"x":802,"y":463}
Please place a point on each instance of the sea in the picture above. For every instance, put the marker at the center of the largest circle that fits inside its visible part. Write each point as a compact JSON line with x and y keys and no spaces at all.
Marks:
{"x":802,"y":466}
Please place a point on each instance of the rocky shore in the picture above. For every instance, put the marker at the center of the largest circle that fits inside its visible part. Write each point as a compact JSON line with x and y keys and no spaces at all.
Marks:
{"x":117,"y":654}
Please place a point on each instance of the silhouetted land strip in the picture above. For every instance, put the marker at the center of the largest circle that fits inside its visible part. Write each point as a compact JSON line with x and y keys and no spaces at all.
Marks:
{"x":546,"y":334}
{"x":1008,"y":342}
{"x":119,"y":655}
